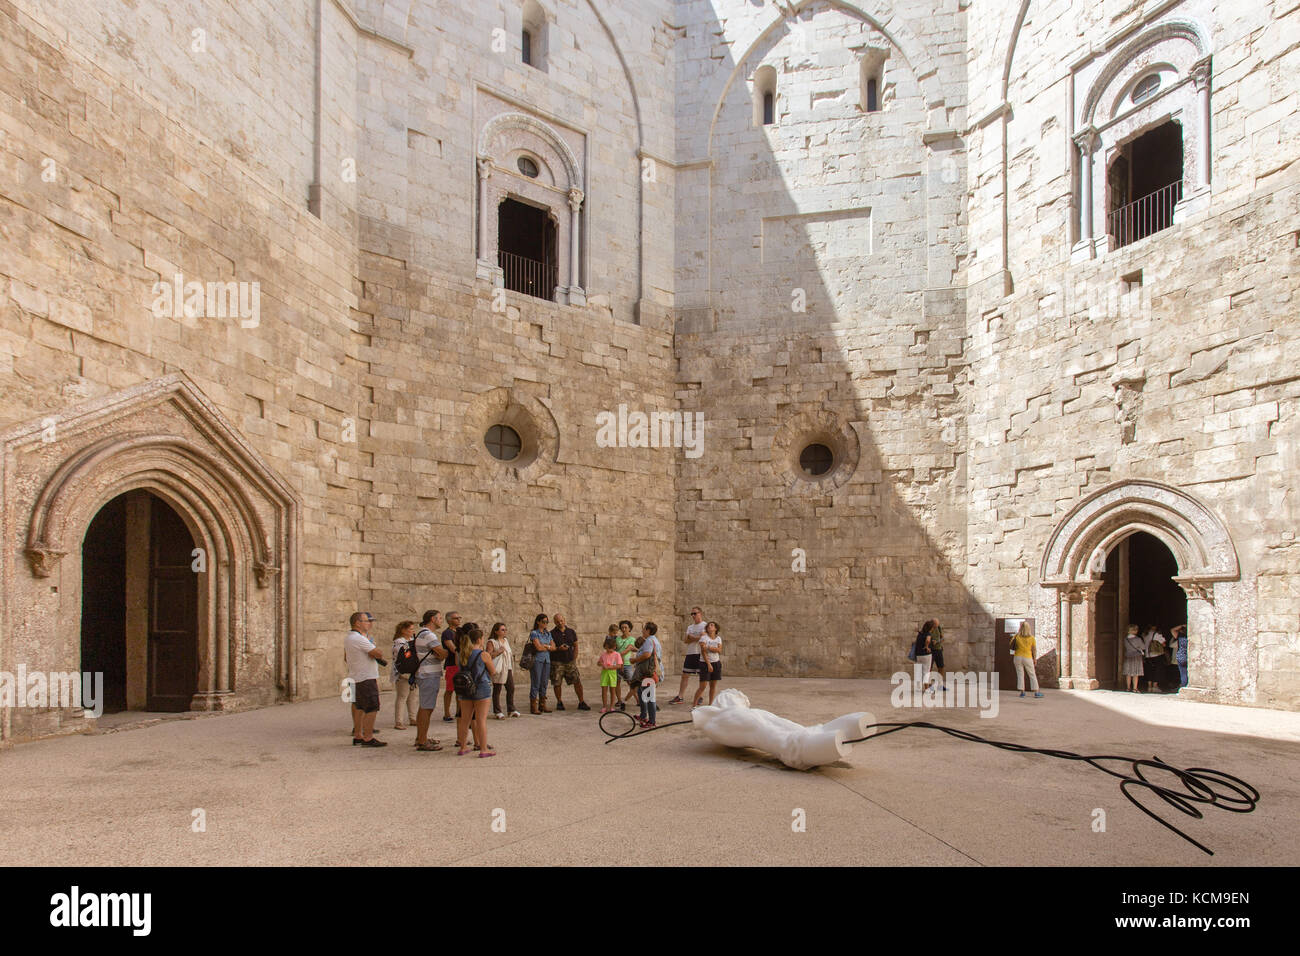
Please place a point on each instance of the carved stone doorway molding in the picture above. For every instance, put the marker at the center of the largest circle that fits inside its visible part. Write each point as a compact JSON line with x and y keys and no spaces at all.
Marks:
{"x":164,"y":436}
{"x":1221,"y":666}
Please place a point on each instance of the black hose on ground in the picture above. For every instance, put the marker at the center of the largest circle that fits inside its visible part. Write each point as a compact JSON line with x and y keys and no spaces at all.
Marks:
{"x":1198,"y":783}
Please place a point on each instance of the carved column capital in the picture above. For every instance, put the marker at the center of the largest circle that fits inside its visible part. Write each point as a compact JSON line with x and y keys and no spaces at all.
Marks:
{"x":1086,"y":139}
{"x":1079,"y":592}
{"x":485,"y":167}
{"x":575,"y":199}
{"x":1198,"y":590}
{"x":1201,"y":74}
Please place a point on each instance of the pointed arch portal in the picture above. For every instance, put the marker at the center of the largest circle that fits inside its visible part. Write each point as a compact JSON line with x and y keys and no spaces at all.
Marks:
{"x":232,"y":595}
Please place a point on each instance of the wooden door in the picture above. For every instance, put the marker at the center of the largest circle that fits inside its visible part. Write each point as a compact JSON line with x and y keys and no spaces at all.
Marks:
{"x":173,"y":611}
{"x":1107,"y":623}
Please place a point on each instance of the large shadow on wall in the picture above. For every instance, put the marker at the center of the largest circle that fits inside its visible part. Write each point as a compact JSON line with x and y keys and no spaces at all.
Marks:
{"x":820,"y":308}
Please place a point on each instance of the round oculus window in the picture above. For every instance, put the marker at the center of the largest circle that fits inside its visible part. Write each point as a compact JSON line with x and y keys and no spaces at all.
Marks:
{"x":503,"y":442}
{"x":528,"y":167}
{"x":816,"y":460}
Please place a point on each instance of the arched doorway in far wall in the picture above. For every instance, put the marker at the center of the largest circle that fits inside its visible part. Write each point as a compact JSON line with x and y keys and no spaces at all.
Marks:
{"x":1138,"y":587}
{"x":1108,"y":563}
{"x":140,"y":604}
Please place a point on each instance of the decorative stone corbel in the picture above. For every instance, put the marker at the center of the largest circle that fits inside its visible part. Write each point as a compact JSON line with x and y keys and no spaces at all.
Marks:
{"x":264,"y":573}
{"x":43,"y":560}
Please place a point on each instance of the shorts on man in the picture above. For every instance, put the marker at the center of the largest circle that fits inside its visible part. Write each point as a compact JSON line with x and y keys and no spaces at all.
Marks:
{"x":691,"y":664}
{"x":566,"y":671}
{"x":367,"y":699}
{"x":430,"y":686}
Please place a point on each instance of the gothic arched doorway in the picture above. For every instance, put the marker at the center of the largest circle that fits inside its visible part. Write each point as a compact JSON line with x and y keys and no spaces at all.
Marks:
{"x":140,"y":604}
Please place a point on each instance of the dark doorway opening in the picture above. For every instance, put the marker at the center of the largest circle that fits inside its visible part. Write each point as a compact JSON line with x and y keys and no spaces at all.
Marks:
{"x":103,"y":602}
{"x":527,"y":249}
{"x":1137,"y":588}
{"x":139,"y":616}
{"x":1145,"y":183}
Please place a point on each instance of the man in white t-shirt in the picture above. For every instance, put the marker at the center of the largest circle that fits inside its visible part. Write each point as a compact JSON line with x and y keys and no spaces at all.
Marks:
{"x":363,"y":660}
{"x":691,"y":663}
{"x":430,"y":652}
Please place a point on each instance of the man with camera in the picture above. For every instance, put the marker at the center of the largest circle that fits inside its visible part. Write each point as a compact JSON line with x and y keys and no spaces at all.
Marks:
{"x":363,"y":660}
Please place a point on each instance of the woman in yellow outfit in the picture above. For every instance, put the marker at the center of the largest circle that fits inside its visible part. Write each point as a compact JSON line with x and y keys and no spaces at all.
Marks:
{"x":1024,"y":650}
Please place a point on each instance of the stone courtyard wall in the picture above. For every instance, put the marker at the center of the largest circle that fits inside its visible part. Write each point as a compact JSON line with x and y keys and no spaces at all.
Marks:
{"x":907,"y":286}
{"x":1081,"y":377}
{"x":376,"y":347}
{"x":820,"y":299}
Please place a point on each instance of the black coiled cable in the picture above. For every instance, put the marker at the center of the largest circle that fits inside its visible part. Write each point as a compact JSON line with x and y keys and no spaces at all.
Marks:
{"x":1199,"y":784}
{"x":632,"y":731}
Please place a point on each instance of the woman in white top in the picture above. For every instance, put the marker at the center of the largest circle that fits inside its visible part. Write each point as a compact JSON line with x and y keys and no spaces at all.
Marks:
{"x":503,"y":662}
{"x":710,"y":663}
{"x":406,"y":698}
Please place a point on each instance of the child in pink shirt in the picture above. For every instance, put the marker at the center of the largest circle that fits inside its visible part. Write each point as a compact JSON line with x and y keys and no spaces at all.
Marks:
{"x":610,"y":661}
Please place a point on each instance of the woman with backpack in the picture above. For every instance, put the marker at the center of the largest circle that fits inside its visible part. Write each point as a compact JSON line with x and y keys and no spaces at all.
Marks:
{"x":473,"y":683}
{"x":405,"y":697}
{"x":503,"y":659}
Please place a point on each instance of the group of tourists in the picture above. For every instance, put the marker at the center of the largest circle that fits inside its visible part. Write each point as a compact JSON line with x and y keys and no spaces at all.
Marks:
{"x":1157,"y":660}
{"x":449,"y":658}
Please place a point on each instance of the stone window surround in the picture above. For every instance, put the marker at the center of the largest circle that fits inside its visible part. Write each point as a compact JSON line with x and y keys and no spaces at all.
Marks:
{"x":534,"y":18}
{"x":1208,"y":572}
{"x":503,"y":136}
{"x":764,"y":81}
{"x":871,"y":66}
{"x":1098,"y":139}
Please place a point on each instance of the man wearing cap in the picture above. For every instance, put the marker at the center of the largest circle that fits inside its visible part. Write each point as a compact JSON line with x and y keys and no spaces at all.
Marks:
{"x":363,"y":660}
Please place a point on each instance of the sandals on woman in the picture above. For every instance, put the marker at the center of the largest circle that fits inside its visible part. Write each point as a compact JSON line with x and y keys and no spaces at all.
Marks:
{"x":488,"y":753}
{"x":429,"y":745}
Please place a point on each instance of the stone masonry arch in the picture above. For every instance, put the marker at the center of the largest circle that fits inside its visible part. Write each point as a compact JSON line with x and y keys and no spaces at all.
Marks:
{"x":166,"y":438}
{"x":1218,"y":601}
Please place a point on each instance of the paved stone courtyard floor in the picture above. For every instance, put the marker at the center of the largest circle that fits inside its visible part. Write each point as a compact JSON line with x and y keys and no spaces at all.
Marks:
{"x":283,"y":785}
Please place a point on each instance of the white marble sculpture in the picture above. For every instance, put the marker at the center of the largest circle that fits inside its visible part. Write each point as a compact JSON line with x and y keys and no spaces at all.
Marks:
{"x":731,"y":722}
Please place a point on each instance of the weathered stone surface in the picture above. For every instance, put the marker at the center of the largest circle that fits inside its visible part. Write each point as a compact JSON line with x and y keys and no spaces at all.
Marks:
{"x":915,"y":287}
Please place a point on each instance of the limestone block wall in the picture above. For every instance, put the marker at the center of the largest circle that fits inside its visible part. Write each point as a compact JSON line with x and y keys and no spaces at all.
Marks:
{"x":819,"y":289}
{"x":109,"y":196}
{"x":376,"y":360}
{"x":1161,"y":360}
{"x":578,"y":528}
{"x":605,"y":86}
{"x":239,"y":75}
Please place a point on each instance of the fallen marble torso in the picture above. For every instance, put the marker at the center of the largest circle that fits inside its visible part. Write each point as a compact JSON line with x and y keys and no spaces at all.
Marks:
{"x":731,"y":722}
